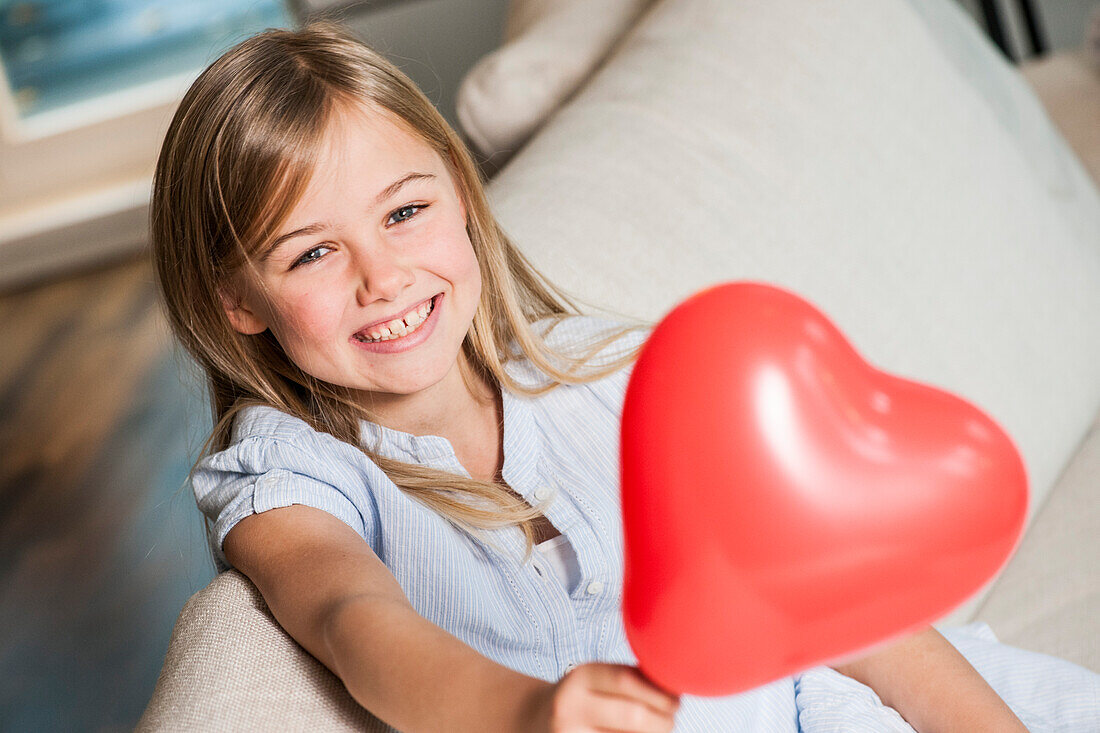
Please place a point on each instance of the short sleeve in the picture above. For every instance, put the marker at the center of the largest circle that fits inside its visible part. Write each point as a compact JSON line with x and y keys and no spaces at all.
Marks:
{"x":267,"y":471}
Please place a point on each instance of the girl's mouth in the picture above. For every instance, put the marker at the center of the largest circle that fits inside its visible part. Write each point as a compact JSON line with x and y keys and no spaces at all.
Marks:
{"x":398,"y":327}
{"x":401,"y":333}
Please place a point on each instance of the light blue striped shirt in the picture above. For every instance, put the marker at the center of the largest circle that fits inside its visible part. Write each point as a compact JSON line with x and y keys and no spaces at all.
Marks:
{"x":561,"y":452}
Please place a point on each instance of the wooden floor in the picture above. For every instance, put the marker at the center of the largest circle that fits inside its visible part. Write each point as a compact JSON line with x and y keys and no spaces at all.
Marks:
{"x":100,"y":542}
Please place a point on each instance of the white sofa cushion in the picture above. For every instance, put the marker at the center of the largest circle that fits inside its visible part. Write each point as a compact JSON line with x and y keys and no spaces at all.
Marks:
{"x":836,"y":150}
{"x":550,"y":48}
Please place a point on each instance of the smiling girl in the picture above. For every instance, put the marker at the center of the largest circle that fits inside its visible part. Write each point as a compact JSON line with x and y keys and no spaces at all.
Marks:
{"x":393,"y":339}
{"x":415,"y":445}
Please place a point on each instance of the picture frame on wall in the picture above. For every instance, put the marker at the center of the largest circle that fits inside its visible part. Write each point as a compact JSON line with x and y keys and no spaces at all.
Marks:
{"x":87,"y":90}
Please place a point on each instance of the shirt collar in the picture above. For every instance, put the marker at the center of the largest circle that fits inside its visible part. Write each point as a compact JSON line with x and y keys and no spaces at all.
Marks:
{"x":520,"y":445}
{"x":400,"y":446}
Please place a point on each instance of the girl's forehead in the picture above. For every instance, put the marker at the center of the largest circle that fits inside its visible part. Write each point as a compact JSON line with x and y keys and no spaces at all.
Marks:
{"x":364,"y":150}
{"x":375,"y":132}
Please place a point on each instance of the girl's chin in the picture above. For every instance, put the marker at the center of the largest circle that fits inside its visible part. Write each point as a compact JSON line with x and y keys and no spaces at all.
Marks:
{"x":400,"y":385}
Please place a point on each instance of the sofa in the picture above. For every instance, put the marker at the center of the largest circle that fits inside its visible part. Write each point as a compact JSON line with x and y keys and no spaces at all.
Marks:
{"x":878,"y":157}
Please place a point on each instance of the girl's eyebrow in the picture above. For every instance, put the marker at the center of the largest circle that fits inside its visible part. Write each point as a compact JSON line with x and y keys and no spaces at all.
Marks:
{"x":394,"y":187}
{"x":318,"y":226}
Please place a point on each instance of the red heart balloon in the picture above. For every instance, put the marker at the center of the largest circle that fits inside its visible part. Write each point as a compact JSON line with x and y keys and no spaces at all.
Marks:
{"x":786,"y":504}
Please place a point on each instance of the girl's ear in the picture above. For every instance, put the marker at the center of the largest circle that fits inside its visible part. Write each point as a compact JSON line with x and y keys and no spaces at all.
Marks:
{"x":241,"y":317}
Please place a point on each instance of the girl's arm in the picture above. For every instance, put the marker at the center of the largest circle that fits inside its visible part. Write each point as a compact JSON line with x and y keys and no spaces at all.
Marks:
{"x":933,"y":686}
{"x":417,"y":677}
{"x":333,"y":595}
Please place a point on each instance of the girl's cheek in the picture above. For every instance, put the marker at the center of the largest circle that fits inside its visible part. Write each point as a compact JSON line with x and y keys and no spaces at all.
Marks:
{"x":468,"y":259}
{"x":452,"y":244}
{"x":312,"y":313}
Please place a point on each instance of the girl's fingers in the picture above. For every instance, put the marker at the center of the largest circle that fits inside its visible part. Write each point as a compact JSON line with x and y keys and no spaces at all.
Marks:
{"x":616,"y":713}
{"x":626,"y":681}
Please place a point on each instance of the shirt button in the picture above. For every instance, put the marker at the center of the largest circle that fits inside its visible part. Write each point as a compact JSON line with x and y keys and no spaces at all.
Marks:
{"x":543,"y":492}
{"x":595,"y":587}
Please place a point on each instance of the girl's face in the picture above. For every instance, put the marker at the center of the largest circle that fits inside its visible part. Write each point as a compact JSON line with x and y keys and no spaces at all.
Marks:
{"x":378,"y":236}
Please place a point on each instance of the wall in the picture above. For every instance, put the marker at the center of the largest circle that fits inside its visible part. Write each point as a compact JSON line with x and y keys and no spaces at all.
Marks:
{"x":78,"y":197}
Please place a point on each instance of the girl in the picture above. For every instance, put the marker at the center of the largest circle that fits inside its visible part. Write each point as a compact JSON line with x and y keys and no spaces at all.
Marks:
{"x":396,"y":391}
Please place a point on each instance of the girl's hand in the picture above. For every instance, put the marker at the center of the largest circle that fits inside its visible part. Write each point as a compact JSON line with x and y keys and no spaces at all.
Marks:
{"x":606,"y":697}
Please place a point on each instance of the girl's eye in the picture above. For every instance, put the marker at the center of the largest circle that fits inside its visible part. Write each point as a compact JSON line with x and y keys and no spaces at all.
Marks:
{"x":311,"y":255}
{"x":315,"y":253}
{"x":415,"y":208}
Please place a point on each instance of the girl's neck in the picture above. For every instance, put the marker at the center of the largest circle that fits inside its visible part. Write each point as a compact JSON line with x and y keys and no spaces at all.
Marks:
{"x":468,"y":412}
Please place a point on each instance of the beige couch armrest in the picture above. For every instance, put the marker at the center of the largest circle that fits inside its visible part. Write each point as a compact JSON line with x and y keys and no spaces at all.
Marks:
{"x":1047,"y":597}
{"x":230,"y":666}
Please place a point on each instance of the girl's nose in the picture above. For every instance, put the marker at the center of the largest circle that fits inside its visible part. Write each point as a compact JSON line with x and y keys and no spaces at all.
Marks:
{"x":382,"y":278}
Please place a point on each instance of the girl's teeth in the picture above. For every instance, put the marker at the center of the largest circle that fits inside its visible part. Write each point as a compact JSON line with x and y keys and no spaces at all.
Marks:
{"x":398,"y":328}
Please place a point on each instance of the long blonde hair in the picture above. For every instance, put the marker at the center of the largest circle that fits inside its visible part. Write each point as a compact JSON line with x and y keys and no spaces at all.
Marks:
{"x":237,"y":156}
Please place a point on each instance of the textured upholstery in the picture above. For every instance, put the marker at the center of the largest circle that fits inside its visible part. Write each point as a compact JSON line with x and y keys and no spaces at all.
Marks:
{"x":550,"y":48}
{"x":1048,"y":597}
{"x":838,"y":151}
{"x":231,"y":667}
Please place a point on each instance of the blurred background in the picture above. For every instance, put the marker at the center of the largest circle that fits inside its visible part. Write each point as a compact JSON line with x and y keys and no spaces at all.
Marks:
{"x":101,"y":416}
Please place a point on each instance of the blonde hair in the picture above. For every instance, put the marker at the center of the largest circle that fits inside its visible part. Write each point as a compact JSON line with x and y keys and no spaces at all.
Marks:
{"x":237,"y":156}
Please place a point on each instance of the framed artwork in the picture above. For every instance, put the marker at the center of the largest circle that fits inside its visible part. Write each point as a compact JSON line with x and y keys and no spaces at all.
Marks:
{"x":68,"y":63}
{"x":87,"y":89}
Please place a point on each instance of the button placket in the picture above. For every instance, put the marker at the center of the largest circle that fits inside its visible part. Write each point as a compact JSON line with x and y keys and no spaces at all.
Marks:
{"x":588,"y":590}
{"x":544,"y":572}
{"x":585,"y":596}
{"x":555,"y":602}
